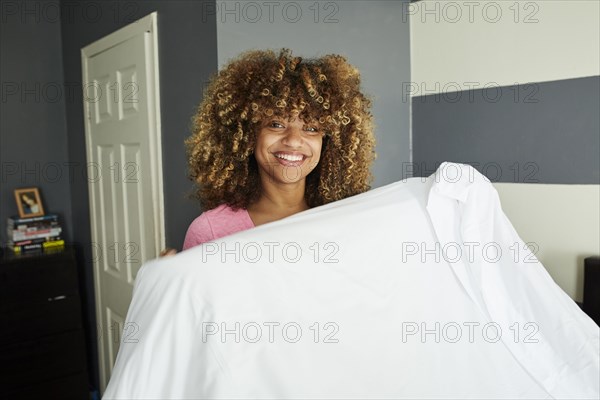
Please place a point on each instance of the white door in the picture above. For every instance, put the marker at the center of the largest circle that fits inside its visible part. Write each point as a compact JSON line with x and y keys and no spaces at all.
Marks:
{"x":122,"y":130}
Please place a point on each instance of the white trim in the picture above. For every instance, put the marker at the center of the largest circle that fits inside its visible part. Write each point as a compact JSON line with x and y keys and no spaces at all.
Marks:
{"x":156,"y":147}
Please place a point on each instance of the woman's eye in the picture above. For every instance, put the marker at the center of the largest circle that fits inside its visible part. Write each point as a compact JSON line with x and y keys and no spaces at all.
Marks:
{"x":276,"y":124}
{"x":312,"y":129}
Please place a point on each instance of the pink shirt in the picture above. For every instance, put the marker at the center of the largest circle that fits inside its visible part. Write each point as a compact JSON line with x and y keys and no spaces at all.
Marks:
{"x":216,"y":223}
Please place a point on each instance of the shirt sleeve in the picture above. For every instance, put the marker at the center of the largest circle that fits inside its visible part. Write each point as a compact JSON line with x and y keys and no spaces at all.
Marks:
{"x":199,"y":231}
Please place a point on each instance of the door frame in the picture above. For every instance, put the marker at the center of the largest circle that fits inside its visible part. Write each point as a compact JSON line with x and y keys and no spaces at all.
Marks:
{"x":147,"y":24}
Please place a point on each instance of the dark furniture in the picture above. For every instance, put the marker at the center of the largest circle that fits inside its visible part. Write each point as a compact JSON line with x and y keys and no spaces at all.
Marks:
{"x":591,"y":288}
{"x":42,"y":342}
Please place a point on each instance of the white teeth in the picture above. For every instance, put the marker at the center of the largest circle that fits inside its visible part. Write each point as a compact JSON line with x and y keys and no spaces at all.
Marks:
{"x":289,"y":157}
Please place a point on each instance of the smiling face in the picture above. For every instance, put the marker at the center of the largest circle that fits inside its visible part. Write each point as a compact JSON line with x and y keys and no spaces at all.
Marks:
{"x":287,"y":150}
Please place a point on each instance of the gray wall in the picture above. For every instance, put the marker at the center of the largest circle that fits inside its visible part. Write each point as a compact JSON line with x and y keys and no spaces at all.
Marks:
{"x":544,"y":132}
{"x":33,"y":132}
{"x":43,"y":48}
{"x":187,"y":57}
{"x":372,"y":35}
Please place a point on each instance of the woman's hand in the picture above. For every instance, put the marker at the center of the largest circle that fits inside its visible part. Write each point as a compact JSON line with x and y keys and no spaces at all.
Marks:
{"x":167,"y":252}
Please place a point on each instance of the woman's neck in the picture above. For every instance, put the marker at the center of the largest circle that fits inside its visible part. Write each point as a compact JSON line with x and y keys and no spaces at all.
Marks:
{"x":288,"y":198}
{"x":279,"y":201}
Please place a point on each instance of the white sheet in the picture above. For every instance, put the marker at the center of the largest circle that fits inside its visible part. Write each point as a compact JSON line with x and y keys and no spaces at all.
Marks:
{"x":389,"y":311}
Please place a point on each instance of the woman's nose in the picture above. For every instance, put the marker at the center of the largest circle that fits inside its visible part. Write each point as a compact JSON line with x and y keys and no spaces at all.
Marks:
{"x":293,"y":136}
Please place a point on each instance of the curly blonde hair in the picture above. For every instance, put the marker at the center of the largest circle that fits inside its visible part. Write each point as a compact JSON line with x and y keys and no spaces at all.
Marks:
{"x":258,"y":85}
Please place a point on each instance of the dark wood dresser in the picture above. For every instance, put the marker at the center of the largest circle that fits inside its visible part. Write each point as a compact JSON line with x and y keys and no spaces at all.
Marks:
{"x":42,"y":342}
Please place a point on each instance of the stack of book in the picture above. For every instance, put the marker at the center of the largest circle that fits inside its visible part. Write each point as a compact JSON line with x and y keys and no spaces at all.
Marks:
{"x":34,"y":234}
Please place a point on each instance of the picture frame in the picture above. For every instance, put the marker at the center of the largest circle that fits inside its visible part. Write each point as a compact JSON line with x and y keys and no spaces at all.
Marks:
{"x":29,"y":202}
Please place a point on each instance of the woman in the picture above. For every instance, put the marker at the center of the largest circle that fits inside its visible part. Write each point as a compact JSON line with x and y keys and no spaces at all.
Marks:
{"x":276,"y":135}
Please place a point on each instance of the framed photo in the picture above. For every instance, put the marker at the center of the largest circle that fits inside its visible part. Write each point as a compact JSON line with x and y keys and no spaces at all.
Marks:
{"x":29,"y":202}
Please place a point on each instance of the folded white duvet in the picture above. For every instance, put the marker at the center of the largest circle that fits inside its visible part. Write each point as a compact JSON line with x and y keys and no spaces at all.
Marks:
{"x":418,"y":289}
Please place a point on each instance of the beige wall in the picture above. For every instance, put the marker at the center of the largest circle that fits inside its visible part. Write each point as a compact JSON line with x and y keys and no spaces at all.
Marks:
{"x":562,"y":220}
{"x":562,"y":44}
